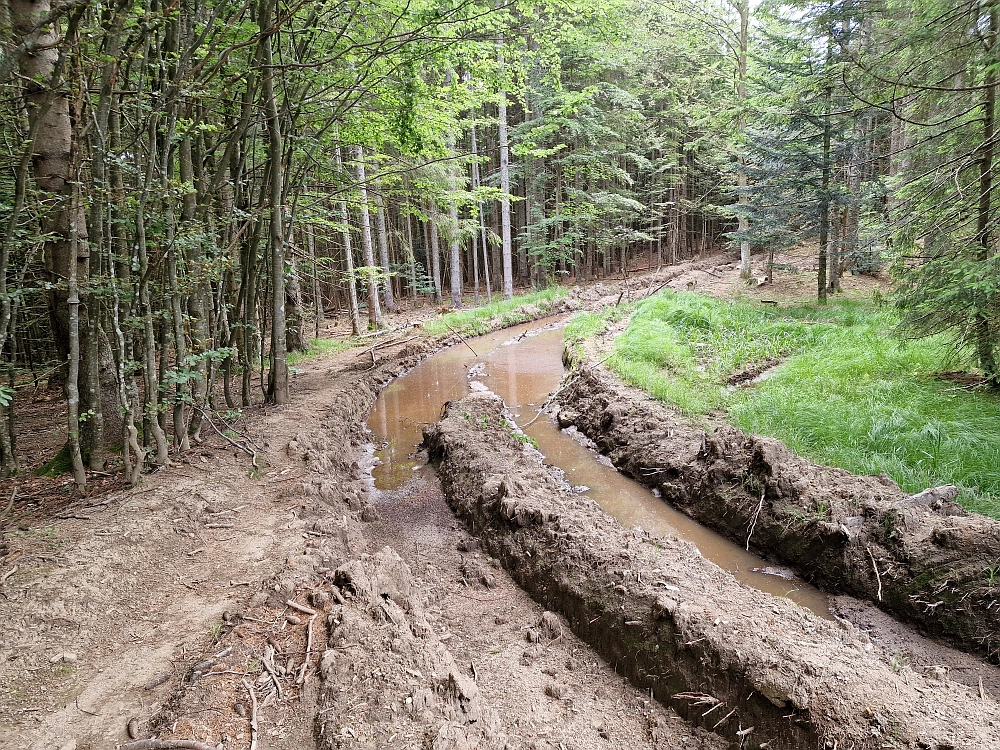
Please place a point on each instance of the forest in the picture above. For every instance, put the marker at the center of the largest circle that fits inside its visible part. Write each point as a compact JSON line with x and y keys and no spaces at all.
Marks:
{"x":499,"y":374}
{"x":191,"y":188}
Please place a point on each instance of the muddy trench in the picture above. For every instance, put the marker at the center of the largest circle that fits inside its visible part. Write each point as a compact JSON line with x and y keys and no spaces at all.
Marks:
{"x":524,"y":366}
{"x":921,"y":558}
{"x":758,"y":670}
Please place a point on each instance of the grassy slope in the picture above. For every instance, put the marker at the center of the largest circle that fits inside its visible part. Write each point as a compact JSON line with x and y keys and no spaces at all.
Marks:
{"x":473,"y":321}
{"x":848,"y":394}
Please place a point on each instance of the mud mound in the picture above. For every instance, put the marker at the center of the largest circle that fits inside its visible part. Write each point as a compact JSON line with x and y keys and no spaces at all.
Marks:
{"x":746,"y":665}
{"x":921,"y":557}
{"x":383,"y":655}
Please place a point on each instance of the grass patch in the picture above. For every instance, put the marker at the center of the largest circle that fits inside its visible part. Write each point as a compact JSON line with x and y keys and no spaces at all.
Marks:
{"x":318,"y":348}
{"x":59,"y":464}
{"x":848,"y":393}
{"x":477,"y":321}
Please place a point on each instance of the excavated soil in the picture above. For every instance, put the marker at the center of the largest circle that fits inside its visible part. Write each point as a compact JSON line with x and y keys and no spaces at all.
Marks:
{"x":163,"y":611}
{"x":110,"y":606}
{"x":755,"y":669}
{"x":921,"y":558}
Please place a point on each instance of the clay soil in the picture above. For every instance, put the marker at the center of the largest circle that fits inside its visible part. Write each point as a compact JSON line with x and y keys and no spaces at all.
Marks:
{"x":751,"y":667}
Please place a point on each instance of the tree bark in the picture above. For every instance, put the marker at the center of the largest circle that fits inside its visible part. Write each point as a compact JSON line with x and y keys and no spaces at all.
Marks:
{"x":508,"y":271}
{"x":383,"y":252}
{"x":352,"y":284}
{"x":982,"y":325}
{"x":435,"y":253}
{"x":374,"y":308}
{"x":277,"y":388}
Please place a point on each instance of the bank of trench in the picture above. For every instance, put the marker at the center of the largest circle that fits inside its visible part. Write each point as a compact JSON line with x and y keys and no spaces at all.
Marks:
{"x":748,"y":666}
{"x":513,"y":371}
{"x":922,"y":558}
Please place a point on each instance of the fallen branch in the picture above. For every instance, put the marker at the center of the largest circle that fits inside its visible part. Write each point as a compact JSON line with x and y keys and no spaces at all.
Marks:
{"x":300,"y":608}
{"x":267,"y":661}
{"x":167,"y":745}
{"x":309,"y":644}
{"x":570,"y":382}
{"x":381,"y":344}
{"x":10,"y":503}
{"x":226,"y":437}
{"x":461,"y":337}
{"x":253,"y":715}
{"x":878,"y":575}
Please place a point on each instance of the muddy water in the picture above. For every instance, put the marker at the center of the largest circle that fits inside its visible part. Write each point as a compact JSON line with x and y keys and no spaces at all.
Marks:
{"x":523,"y":365}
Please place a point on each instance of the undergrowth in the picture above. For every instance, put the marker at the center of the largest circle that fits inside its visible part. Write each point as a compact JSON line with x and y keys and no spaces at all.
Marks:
{"x":320,"y":348}
{"x":847,"y":393}
{"x":477,"y":321}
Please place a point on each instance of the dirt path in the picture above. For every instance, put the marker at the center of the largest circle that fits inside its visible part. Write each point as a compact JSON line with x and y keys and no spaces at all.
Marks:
{"x":548,"y":688}
{"x":109,"y":605}
{"x":135,"y":589}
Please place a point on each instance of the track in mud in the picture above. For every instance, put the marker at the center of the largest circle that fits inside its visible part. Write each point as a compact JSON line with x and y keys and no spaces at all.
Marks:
{"x":524,"y":365}
{"x":759,"y":666}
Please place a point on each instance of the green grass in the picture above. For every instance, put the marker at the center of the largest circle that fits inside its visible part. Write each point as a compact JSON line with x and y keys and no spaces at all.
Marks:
{"x":847,"y":394}
{"x":477,"y":321}
{"x":320,"y":348}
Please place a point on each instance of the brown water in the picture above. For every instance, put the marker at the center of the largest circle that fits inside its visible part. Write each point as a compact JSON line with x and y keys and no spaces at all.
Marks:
{"x":523,"y":365}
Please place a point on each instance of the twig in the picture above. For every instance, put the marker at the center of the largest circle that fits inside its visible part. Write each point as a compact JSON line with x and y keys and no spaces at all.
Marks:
{"x":878,"y":575}
{"x":982,"y":693}
{"x":90,"y":713}
{"x":380,"y":344}
{"x":10,"y":503}
{"x":226,"y":437}
{"x":253,"y":715}
{"x":549,"y":400}
{"x":309,"y":643}
{"x":269,"y":667}
{"x":301,"y":608}
{"x":8,"y":574}
{"x":461,"y":338}
{"x":753,"y":523}
{"x":722,"y":721}
{"x":167,"y":745}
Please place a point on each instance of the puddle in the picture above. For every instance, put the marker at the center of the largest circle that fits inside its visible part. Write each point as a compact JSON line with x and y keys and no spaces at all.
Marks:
{"x":523,"y":365}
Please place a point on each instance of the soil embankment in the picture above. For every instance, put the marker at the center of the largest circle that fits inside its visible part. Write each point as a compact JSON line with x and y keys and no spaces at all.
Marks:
{"x":921,"y":558}
{"x":751,"y":667}
{"x":171,"y":609}
{"x":110,"y":609}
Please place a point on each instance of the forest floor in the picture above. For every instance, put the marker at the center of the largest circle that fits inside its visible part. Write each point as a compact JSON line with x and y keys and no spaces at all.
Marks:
{"x":211,"y":595}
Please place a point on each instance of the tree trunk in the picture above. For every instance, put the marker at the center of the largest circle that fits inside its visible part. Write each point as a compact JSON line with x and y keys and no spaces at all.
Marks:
{"x":743,"y":8}
{"x":352,"y":284}
{"x":383,"y":252}
{"x":374,"y":308}
{"x":295,"y":329}
{"x":435,"y":253}
{"x":482,"y":222}
{"x":508,"y":271}
{"x":982,"y":325}
{"x":455,"y":255}
{"x":824,"y":205}
{"x":277,"y":385}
